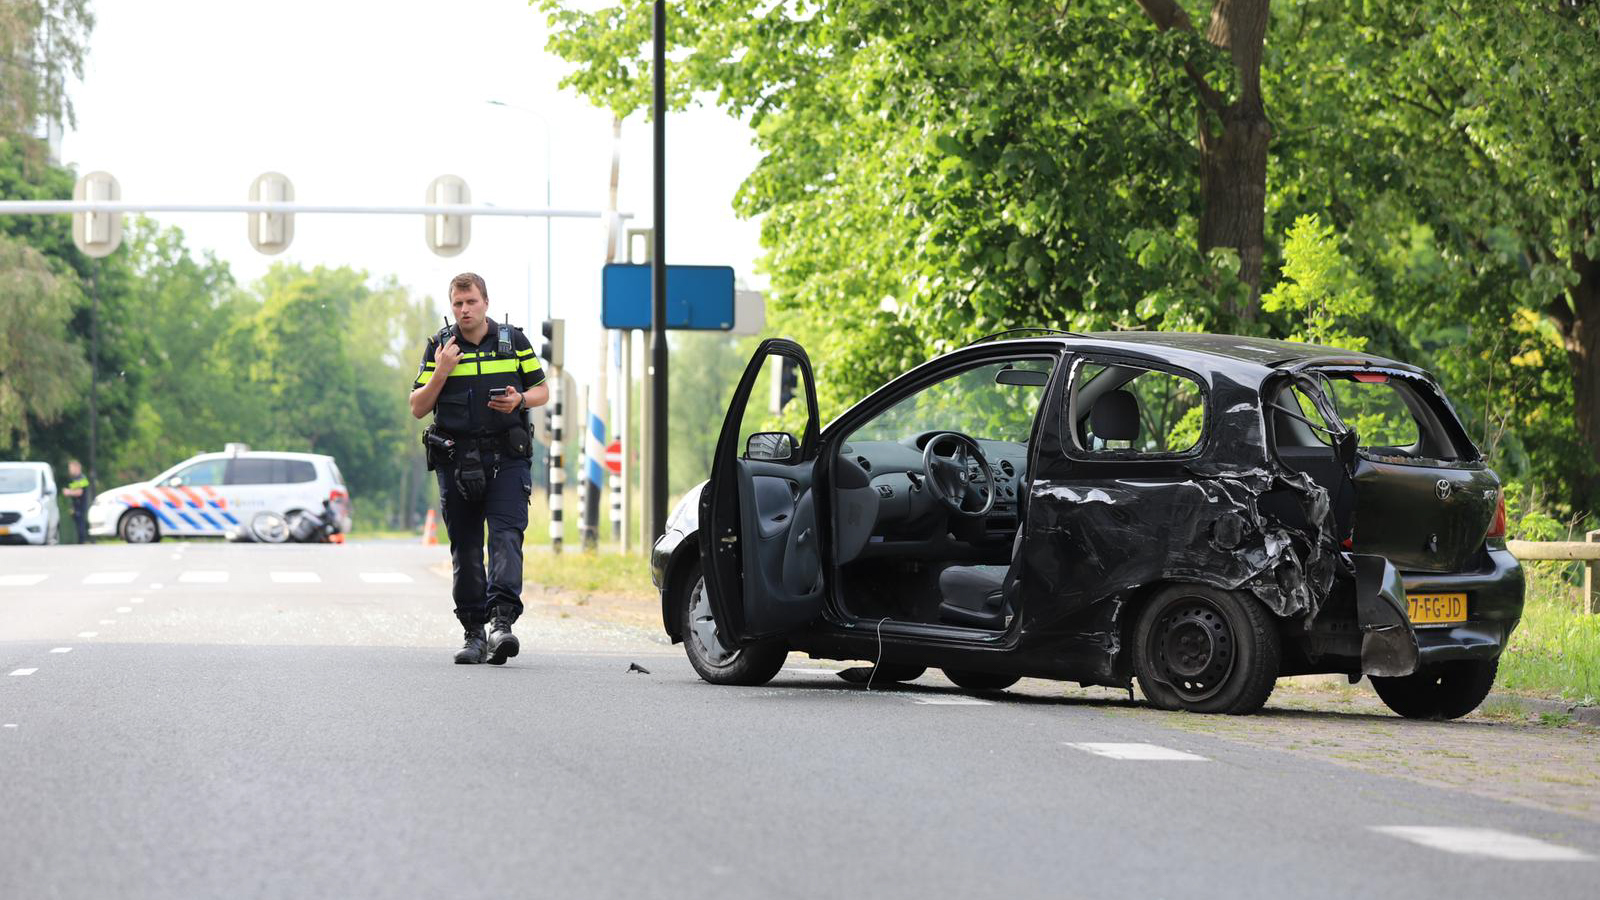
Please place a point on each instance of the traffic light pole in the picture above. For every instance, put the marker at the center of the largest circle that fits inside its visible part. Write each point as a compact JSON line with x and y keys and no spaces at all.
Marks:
{"x":658,"y":281}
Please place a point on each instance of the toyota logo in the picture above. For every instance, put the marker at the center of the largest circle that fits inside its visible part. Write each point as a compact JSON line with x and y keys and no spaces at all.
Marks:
{"x":1442,"y":488}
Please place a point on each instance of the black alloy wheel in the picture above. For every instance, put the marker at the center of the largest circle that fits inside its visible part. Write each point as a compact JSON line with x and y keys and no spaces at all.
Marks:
{"x":1444,"y":691}
{"x":1206,"y":650}
{"x":714,"y":661}
{"x":980,"y":681}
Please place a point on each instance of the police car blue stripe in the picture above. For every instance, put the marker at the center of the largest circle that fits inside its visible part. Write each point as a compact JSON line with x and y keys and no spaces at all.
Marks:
{"x":210,"y":521}
{"x":160,"y":515}
{"x":185,"y":517}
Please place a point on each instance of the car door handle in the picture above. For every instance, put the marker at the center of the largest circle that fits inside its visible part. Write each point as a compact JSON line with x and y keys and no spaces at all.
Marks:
{"x":804,"y":536}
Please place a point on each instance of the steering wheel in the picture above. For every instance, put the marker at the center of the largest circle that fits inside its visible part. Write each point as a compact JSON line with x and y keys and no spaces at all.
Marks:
{"x":951,"y":478}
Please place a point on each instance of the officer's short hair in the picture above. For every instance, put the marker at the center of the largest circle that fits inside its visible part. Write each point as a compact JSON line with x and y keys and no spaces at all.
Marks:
{"x":469,"y":280}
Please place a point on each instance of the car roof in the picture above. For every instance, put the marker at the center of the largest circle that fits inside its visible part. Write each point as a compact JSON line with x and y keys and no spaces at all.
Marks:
{"x":22,"y":464}
{"x":1264,"y":353}
{"x":259,"y":454}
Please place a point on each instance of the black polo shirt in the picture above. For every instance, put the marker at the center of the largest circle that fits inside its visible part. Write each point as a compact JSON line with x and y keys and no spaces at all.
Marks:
{"x":481,"y":368}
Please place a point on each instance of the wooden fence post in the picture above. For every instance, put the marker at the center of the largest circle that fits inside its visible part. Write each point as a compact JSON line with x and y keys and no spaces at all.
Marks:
{"x":1591,"y":578}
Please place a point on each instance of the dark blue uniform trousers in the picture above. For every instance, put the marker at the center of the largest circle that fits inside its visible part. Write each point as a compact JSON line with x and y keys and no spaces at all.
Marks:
{"x":480,"y":593}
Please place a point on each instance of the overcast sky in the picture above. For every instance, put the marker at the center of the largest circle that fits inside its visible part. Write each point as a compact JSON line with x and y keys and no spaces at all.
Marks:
{"x":365,"y":102}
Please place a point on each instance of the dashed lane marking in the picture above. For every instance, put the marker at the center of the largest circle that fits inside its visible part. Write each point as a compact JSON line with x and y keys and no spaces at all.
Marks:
{"x":61,"y":650}
{"x":108,"y":621}
{"x":87,"y":634}
{"x":1137,"y":752}
{"x":110,"y":577}
{"x":124,"y":609}
{"x":295,"y":578}
{"x":385,"y":578}
{"x":135,"y":599}
{"x":11,"y":725}
{"x":203,"y":576}
{"x":155,"y":586}
{"x":1485,"y":842}
{"x":21,"y":580}
{"x":950,"y":700}
{"x":20,"y":672}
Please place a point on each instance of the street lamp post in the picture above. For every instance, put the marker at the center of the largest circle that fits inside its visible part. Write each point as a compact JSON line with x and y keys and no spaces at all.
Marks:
{"x":549,"y":294}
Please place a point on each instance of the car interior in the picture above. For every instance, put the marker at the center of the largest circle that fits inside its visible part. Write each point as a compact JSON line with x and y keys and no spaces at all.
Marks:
{"x":931,"y":492}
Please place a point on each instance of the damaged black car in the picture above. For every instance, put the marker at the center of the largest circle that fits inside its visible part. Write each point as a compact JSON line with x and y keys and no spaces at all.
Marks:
{"x":1202,"y":513}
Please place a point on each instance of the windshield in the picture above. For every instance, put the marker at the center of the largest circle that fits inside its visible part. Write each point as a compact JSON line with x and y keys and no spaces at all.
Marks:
{"x":18,"y":481}
{"x":980,"y":403}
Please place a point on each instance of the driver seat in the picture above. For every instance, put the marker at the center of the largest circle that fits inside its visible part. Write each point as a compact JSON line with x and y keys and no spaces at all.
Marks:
{"x":978,"y":596}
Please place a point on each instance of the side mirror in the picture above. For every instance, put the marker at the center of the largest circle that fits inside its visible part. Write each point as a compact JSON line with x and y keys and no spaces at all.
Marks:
{"x":175,"y":481}
{"x":771,"y":446}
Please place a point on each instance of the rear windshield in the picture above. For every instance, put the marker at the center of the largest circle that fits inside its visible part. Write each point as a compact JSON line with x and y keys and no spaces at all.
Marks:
{"x":1393,"y":418}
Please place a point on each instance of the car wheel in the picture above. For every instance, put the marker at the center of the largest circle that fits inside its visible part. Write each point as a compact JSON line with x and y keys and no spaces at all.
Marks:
{"x":1445,"y":691}
{"x":1205,"y":650}
{"x":268,"y":527}
{"x":139,"y":527}
{"x":714,"y":661}
{"x":980,"y":681}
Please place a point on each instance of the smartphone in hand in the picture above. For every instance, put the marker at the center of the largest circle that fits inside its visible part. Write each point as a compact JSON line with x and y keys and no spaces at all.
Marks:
{"x":497,"y":392}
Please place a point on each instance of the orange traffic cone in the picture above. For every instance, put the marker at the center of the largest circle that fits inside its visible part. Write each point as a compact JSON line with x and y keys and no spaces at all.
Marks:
{"x":430,"y":530}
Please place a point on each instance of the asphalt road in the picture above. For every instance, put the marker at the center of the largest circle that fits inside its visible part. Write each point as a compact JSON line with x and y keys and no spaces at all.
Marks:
{"x":204,"y":720}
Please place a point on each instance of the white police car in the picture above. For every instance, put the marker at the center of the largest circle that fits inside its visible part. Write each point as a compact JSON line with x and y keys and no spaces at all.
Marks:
{"x":220,"y":494}
{"x":28,"y":513}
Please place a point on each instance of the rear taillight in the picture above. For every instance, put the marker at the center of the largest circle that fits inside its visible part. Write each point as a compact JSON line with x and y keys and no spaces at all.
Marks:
{"x":1497,"y":528}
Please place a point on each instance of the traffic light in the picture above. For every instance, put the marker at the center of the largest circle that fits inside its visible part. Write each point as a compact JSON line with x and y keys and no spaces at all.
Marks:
{"x":271,"y":233}
{"x":97,"y":234}
{"x":550,"y":348}
{"x":448,"y":234}
{"x":785,"y":378}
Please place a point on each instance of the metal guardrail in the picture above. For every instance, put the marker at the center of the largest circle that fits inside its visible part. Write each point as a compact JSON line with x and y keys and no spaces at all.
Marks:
{"x":1588,"y":551}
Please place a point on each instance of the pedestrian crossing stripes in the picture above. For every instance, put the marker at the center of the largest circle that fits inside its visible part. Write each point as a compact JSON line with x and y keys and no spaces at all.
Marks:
{"x":1136,"y":751}
{"x":1484,"y":842}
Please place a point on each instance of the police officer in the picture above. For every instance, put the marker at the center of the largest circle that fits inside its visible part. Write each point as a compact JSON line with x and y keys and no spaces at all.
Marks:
{"x":479,"y":378}
{"x":78,"y":489}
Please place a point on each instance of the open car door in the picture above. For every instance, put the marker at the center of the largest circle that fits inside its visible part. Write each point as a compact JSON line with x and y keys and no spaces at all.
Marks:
{"x":760,"y":535}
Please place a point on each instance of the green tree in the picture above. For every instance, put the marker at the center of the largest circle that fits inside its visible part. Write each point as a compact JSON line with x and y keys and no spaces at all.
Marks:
{"x":1320,"y":287}
{"x":42,"y":375}
{"x":42,"y":42}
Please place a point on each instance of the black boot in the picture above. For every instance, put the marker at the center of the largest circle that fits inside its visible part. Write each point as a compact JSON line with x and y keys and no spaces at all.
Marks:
{"x":475,"y":649}
{"x":502,"y":643}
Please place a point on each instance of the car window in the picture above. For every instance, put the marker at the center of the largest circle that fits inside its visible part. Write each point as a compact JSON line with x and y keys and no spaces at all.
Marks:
{"x":18,"y":481}
{"x":255,"y":470}
{"x":338,"y":477}
{"x":205,"y":472}
{"x":777,"y":402}
{"x":1141,"y":411}
{"x":297,"y":471}
{"x":1372,"y":405}
{"x":978,"y":402}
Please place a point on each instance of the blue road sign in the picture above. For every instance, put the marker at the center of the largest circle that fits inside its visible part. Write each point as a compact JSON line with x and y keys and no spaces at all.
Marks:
{"x":698,"y":297}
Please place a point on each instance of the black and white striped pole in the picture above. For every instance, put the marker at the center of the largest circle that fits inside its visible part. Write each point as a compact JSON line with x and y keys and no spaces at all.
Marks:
{"x":558,"y":468}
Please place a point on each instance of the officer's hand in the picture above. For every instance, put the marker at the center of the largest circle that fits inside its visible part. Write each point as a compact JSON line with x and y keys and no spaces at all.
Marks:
{"x":446,"y":357}
{"x":509,"y":402}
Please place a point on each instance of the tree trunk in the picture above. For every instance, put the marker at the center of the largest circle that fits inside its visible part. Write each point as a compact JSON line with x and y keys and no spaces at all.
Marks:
{"x":1234,"y":134}
{"x":1580,"y":332}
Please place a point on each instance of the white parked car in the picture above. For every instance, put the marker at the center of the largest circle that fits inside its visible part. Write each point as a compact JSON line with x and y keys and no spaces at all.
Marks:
{"x":221,"y":494}
{"x":28,"y":512}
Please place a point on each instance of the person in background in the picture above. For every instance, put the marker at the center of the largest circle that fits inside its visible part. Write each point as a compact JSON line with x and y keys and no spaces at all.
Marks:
{"x":79,"y":490}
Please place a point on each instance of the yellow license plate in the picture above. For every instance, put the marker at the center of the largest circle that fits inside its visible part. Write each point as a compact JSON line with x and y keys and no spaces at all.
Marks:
{"x":1435,"y":609}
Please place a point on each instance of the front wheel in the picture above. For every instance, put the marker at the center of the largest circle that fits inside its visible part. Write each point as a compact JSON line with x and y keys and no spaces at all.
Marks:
{"x":139,"y":527}
{"x":1445,"y":691}
{"x":1206,"y":650}
{"x":712,"y":659}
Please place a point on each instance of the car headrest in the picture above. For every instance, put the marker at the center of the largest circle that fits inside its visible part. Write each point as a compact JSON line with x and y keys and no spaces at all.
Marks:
{"x":1115,"y":417}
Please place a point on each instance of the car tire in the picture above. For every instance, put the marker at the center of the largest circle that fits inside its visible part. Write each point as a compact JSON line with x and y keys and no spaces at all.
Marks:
{"x":746,"y":666}
{"x":1205,"y":650}
{"x":139,"y":527}
{"x":1445,"y":691}
{"x":980,"y":681}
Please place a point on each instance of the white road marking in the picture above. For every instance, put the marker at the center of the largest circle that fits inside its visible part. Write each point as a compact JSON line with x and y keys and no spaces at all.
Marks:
{"x":295,"y":578}
{"x":21,"y":580}
{"x":385,"y":578}
{"x":950,"y":700}
{"x":87,"y":634}
{"x":25,"y":671}
{"x":1136,"y":751}
{"x":1484,"y":842}
{"x":176,"y":556}
{"x":155,"y":586}
{"x":108,"y":621}
{"x":62,"y":650}
{"x":110,"y":577}
{"x":203,"y":576}
{"x":124,"y":609}
{"x":11,"y":725}
{"x":135,"y":599}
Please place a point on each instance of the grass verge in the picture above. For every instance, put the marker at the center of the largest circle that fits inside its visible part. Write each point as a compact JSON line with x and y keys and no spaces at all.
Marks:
{"x":1555,"y":651}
